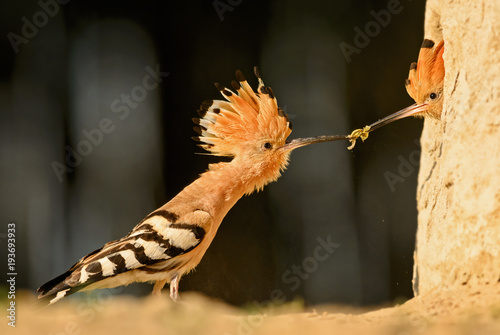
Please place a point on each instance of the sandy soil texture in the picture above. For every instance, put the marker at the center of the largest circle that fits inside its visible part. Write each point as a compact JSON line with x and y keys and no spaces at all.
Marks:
{"x":466,"y":310}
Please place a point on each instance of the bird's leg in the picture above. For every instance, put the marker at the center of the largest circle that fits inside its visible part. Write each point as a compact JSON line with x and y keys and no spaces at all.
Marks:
{"x":158,"y":287}
{"x":174,"y":288}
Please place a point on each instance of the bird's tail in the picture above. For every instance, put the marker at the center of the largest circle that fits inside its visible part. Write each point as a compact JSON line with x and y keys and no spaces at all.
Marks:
{"x":144,"y":249}
{"x":67,"y":283}
{"x":57,"y":288}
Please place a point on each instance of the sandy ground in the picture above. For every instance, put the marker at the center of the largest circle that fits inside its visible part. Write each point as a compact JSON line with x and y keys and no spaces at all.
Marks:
{"x":466,"y":310}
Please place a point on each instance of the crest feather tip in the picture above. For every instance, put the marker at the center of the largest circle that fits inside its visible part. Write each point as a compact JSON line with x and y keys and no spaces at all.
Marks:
{"x":270,"y":92}
{"x":235,"y":85}
{"x":205,"y":105}
{"x":197,"y":130}
{"x":256,"y":71}
{"x":427,"y":44}
{"x":240,"y":76}
{"x":219,"y":87}
{"x":248,"y":115}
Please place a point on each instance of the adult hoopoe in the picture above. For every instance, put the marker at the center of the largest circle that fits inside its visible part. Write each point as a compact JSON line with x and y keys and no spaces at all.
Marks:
{"x":171,"y":241}
{"x":424,"y":84}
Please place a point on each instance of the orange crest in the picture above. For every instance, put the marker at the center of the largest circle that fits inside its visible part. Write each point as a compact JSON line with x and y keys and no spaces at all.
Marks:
{"x":427,"y":75}
{"x":429,"y":69}
{"x":226,"y":128}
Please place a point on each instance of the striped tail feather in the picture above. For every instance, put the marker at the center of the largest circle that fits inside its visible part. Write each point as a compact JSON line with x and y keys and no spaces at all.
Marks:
{"x":147,"y":253}
{"x":58,"y":288}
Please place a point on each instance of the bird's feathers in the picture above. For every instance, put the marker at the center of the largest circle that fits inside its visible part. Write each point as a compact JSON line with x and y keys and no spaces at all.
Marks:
{"x":150,"y":247}
{"x":225,"y":126}
{"x":428,"y":73}
{"x":171,"y":241}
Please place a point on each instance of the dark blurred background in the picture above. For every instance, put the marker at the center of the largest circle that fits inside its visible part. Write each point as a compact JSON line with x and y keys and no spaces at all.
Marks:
{"x":117,"y":83}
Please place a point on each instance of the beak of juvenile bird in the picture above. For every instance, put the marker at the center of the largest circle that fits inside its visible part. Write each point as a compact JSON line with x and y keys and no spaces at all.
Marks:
{"x":406,"y":112}
{"x":300,"y":142}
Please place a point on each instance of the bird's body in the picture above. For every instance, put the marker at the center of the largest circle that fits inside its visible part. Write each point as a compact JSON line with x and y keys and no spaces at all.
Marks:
{"x":172,"y":240}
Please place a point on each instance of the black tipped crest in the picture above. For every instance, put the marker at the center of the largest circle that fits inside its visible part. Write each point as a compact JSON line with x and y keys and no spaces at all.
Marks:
{"x":197,"y":129}
{"x":427,"y":44}
{"x":270,"y":92}
{"x":240,"y":76}
{"x":282,"y":113}
{"x":235,"y":85}
{"x":223,"y":90}
{"x":256,"y":71}
{"x":226,"y":127}
{"x":219,"y":87}
{"x":205,"y":105}
{"x":426,"y":79}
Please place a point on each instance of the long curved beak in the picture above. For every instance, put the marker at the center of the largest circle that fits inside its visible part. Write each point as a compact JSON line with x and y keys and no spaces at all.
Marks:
{"x":300,"y":142}
{"x":408,"y":111}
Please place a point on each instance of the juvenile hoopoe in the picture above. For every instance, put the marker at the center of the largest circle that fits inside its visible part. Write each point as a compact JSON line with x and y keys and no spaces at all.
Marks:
{"x":424,"y":84}
{"x":169,"y":242}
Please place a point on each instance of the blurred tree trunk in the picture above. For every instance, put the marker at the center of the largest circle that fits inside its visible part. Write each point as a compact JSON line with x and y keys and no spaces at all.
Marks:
{"x":458,"y":239}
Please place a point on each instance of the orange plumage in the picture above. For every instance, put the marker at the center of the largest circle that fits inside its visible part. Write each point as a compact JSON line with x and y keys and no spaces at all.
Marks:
{"x":171,"y":241}
{"x":426,"y":78}
{"x":424,"y":84}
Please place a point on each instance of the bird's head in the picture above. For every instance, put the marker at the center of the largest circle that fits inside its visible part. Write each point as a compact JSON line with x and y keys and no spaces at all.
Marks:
{"x":251,"y":128}
{"x":426,"y":78}
{"x":424,"y":84}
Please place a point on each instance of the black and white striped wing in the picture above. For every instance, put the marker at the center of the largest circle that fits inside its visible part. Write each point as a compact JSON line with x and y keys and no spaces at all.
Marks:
{"x":160,"y":237}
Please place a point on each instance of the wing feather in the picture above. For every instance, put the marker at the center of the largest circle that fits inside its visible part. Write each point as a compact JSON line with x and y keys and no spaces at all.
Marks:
{"x":160,"y":237}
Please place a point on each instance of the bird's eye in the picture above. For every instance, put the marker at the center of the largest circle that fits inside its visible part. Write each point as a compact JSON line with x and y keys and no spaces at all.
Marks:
{"x":268,"y":146}
{"x":433,"y":96}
